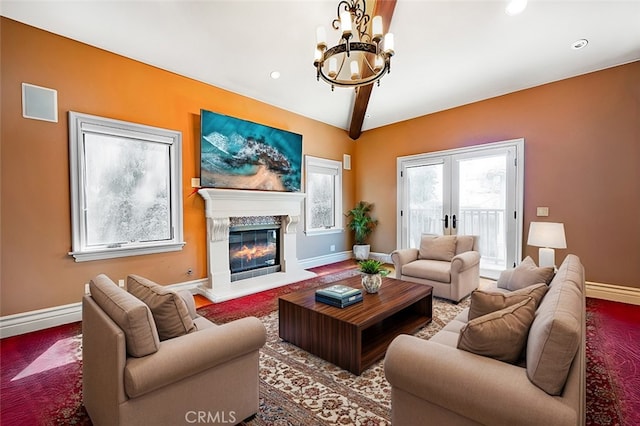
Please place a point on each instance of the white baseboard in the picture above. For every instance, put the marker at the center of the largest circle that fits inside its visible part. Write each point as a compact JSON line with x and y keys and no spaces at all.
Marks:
{"x":12,"y":325}
{"x":327,"y":259}
{"x":382,"y":257}
{"x":613,"y":292}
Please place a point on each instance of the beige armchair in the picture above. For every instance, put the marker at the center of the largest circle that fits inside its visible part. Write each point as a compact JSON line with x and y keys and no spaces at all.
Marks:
{"x":449,"y":263}
{"x":131,"y":377}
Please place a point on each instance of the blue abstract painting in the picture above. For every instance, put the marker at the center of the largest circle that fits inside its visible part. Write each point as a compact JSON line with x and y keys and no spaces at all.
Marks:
{"x":240,"y":154}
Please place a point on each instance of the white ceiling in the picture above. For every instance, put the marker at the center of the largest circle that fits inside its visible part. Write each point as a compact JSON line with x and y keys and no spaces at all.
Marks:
{"x":448,"y":52}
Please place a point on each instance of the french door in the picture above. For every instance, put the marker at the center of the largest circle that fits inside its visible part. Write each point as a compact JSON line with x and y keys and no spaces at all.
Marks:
{"x":471,"y":191}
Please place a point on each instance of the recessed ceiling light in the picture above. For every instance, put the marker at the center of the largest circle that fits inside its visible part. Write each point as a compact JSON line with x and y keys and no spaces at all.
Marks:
{"x":275,"y":75}
{"x":579,"y":44}
{"x":515,"y":6}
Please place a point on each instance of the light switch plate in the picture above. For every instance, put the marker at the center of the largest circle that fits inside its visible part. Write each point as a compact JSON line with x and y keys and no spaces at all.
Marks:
{"x":543,"y":211}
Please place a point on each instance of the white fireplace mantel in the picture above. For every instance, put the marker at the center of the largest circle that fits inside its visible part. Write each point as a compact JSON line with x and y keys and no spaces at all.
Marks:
{"x":222,"y":204}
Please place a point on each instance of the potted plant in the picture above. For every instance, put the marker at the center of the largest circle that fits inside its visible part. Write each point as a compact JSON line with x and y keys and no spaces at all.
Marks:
{"x":372,"y":272}
{"x":362,"y":224}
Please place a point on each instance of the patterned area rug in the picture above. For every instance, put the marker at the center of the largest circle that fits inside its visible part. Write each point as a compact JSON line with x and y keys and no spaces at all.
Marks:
{"x":297,"y":388}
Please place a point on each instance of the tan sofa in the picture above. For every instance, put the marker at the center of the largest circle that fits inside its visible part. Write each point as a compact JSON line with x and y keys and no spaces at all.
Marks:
{"x":131,"y":377}
{"x":435,"y":383}
{"x":450,"y":264}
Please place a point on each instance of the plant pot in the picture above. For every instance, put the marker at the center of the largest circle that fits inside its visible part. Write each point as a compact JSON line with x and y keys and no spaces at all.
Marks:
{"x":361,"y":251}
{"x":371,"y":282}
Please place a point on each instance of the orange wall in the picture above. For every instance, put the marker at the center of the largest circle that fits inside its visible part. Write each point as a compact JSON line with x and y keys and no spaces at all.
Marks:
{"x":36,"y":271}
{"x":582,"y":160}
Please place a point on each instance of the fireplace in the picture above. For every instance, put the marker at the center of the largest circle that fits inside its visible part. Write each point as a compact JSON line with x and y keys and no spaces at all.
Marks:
{"x":228,"y":211}
{"x":254,"y":250}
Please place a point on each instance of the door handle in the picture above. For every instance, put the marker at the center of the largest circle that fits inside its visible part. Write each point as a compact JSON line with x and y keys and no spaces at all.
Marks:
{"x":446,"y":221}
{"x":453,"y":221}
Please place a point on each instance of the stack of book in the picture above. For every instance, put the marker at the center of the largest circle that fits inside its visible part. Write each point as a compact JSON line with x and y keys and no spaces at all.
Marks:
{"x":339,"y":295}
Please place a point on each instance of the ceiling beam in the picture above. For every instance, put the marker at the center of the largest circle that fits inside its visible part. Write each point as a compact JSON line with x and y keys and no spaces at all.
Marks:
{"x":383,"y":8}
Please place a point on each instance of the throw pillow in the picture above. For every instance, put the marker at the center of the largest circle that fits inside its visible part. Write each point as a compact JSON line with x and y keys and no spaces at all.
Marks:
{"x":524,"y":275}
{"x":168,"y":308}
{"x":437,"y":247}
{"x":464,"y":243}
{"x":485,"y":302}
{"x":500,"y":334}
{"x":130,"y":314}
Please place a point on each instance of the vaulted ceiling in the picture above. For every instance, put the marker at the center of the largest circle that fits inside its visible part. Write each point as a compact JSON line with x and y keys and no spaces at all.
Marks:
{"x":448,"y":52}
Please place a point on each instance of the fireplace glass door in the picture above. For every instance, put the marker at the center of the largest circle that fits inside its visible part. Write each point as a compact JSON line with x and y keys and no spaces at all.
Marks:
{"x":253,"y":248}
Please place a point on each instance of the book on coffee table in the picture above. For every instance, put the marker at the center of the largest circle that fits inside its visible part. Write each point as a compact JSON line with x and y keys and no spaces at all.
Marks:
{"x":340,"y":303}
{"x":339,"y":291}
{"x":339,"y":295}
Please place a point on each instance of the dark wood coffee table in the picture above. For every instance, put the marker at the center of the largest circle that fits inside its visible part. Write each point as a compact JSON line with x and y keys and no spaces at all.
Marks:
{"x":357,"y":336}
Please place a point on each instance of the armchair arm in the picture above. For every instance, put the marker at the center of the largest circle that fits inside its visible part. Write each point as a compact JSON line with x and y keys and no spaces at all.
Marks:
{"x":193,"y":353}
{"x":401,"y":257}
{"x":464,"y":261}
{"x":476,"y":387}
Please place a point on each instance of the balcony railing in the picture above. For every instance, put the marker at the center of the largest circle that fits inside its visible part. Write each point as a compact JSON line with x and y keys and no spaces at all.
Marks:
{"x":488,"y":224}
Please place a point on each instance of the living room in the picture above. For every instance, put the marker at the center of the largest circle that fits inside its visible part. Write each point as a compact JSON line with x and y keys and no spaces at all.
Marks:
{"x":581,"y":160}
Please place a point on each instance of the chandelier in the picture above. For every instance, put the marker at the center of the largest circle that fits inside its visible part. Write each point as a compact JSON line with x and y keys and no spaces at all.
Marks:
{"x":360,"y":57}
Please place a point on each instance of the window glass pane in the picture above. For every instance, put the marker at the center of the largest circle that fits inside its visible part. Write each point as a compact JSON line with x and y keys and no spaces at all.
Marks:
{"x":127,"y":190}
{"x":320,"y":188}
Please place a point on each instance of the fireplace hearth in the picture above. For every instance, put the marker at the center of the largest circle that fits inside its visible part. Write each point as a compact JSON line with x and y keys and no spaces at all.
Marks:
{"x":225,"y":210}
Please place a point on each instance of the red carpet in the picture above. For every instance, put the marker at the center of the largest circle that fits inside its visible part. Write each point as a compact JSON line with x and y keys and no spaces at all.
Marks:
{"x":41,"y":371}
{"x":613,"y":363}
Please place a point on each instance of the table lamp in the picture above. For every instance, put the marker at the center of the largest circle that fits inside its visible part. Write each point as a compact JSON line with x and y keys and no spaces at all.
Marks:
{"x":548,"y":236}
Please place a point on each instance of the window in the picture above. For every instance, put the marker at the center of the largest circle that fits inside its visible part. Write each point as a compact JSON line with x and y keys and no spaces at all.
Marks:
{"x":323,"y":179}
{"x":126,"y":196}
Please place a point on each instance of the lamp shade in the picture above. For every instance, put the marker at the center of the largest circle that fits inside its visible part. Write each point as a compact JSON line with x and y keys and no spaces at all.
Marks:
{"x":547,"y":234}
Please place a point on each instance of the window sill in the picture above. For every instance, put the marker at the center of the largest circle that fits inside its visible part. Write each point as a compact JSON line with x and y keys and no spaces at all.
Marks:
{"x":313,"y":232}
{"x":86,"y":256}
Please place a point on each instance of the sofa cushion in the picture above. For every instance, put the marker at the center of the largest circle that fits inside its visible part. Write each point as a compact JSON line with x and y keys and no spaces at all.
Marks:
{"x":556,"y":331}
{"x":524,"y":275}
{"x":437,"y":247}
{"x":500,"y":334}
{"x":169,"y":310}
{"x":484,"y":302}
{"x":464,"y":243}
{"x":436,"y":270}
{"x":130,"y":314}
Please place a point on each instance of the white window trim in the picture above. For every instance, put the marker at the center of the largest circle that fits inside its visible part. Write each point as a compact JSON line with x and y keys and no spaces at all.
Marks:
{"x":79,"y":124}
{"x":310,"y":161}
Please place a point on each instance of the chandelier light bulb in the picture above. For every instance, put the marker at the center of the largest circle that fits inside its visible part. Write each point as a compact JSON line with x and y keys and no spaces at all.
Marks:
{"x":333,"y":67}
{"x":321,"y":38}
{"x":345,"y":23}
{"x":377,"y":27}
{"x":355,"y":73}
{"x":389,"y":44}
{"x":378,"y":64}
